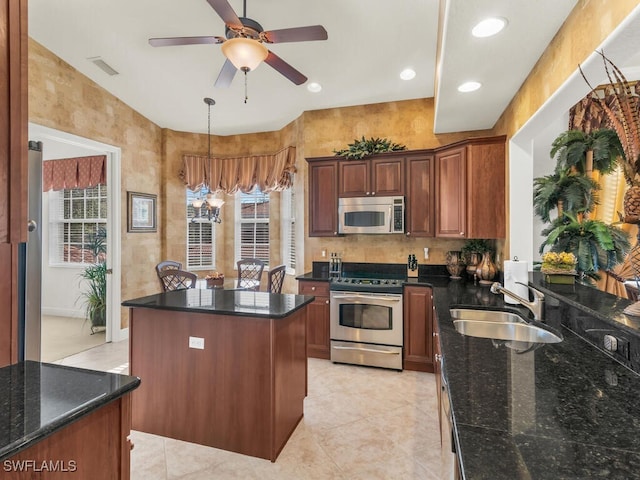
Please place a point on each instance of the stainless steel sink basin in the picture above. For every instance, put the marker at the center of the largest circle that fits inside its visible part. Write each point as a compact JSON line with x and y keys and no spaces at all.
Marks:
{"x":500,"y":325}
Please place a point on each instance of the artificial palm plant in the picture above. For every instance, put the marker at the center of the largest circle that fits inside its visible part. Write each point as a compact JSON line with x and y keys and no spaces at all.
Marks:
{"x":573,"y":192}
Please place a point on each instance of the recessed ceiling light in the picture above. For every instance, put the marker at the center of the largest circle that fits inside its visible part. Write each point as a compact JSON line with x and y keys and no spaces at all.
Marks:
{"x":407,"y":74}
{"x":469,"y":87}
{"x":489,"y":26}
{"x":314,"y":87}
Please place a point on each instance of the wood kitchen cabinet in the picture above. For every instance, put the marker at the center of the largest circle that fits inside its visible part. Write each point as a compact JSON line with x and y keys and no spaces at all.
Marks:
{"x":418,"y":329}
{"x":318,"y":342}
{"x":470,"y":189}
{"x":380,"y":176}
{"x":323,"y":198}
{"x":456,"y":191}
{"x":451,"y":211}
{"x":420,"y":201}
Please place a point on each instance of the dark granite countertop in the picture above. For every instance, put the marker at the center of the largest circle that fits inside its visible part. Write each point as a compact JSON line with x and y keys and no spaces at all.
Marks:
{"x":224,"y":302}
{"x":37,"y":399}
{"x":557,"y":411}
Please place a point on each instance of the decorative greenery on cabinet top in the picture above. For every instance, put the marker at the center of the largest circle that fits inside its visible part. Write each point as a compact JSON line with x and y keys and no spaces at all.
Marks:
{"x":366,"y":147}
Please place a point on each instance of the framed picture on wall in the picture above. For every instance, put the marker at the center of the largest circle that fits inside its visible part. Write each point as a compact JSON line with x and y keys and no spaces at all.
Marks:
{"x":141,"y":212}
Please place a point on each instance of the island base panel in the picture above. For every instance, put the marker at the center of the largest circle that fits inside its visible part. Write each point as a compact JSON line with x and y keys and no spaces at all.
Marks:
{"x":243,"y":392}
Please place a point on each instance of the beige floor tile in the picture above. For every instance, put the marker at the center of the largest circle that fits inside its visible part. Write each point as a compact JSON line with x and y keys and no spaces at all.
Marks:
{"x":359,"y":423}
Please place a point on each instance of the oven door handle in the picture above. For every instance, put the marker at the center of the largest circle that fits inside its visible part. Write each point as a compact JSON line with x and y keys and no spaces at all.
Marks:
{"x":386,"y":352}
{"x":367,"y":297}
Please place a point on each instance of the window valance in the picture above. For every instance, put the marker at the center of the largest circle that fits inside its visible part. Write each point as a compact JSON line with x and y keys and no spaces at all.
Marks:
{"x":78,"y":172}
{"x":270,"y":172}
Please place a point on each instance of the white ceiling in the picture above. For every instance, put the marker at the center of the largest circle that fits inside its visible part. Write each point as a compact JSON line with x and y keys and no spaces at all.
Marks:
{"x":370,"y":42}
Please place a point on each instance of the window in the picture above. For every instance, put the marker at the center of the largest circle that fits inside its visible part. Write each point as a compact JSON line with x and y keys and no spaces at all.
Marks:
{"x":288,"y":237}
{"x":201,"y":238}
{"x":77,"y":217}
{"x":252,"y":226}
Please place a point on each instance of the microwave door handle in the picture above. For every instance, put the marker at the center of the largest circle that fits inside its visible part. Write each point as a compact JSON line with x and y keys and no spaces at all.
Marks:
{"x":390,"y":217}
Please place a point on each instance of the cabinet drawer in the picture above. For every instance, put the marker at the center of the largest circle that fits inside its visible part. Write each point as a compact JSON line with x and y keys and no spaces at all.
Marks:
{"x":319,"y":289}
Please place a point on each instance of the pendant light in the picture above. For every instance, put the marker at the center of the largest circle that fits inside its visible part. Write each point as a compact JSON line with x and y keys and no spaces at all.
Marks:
{"x":209,"y":206}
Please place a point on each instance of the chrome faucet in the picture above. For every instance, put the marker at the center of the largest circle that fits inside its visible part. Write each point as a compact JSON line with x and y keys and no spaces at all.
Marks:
{"x":536,"y":307}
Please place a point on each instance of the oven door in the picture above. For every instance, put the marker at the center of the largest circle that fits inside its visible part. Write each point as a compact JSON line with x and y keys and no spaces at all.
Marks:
{"x":366,"y":317}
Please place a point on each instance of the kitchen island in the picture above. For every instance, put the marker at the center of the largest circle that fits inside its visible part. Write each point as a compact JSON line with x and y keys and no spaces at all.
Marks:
{"x":223,"y":368}
{"x":565,"y":410}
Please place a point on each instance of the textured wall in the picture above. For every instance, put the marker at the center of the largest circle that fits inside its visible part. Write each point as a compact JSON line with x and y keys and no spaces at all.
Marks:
{"x":62,"y":98}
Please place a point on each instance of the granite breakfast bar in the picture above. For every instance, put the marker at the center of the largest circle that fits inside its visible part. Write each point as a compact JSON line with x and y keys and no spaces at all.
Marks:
{"x":223,"y":368}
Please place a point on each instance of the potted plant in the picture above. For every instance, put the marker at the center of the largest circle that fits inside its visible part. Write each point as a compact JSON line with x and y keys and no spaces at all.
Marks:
{"x":596,"y":245}
{"x":95,"y":278}
{"x":571,"y":190}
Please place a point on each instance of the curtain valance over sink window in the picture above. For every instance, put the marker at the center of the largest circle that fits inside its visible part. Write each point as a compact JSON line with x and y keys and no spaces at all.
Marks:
{"x":78,"y":172}
{"x":270,"y":172}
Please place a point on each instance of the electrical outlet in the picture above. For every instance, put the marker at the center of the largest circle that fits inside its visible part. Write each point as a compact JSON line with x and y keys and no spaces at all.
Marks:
{"x":196,"y":342}
{"x":426,"y":253}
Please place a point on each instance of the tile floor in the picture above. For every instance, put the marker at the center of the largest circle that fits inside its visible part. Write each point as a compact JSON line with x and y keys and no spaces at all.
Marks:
{"x":359,"y":423}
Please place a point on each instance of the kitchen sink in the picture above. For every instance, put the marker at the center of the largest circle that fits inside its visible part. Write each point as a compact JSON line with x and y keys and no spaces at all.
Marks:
{"x":500,"y":325}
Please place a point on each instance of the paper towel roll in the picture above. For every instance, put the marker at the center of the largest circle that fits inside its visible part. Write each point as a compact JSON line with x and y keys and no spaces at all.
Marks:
{"x":516,"y":271}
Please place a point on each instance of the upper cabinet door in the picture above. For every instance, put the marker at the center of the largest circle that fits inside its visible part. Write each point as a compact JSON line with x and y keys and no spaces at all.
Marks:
{"x":323,"y":198}
{"x":451,"y":184}
{"x":420,"y":207}
{"x":387,"y":177}
{"x":486,"y":210}
{"x":354,"y":178}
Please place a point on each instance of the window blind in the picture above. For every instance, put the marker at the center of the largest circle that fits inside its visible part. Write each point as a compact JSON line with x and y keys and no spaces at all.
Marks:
{"x":201,"y":239}
{"x":252,"y":226}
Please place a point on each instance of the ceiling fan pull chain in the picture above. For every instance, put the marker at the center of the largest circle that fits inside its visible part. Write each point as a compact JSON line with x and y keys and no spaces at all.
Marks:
{"x":245,"y":87}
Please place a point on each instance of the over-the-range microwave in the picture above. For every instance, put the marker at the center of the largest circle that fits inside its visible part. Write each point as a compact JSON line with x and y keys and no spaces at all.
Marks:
{"x":371,"y":215}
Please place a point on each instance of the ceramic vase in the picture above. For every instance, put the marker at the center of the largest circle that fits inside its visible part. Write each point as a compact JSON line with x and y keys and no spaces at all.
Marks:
{"x":486,"y":269}
{"x":455,"y":265}
{"x":472,"y":264}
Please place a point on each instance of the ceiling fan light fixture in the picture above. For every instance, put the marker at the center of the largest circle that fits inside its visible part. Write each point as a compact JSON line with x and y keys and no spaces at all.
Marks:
{"x":244,"y":53}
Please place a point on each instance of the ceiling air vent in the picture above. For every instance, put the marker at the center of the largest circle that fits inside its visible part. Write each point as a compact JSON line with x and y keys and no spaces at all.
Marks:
{"x":102,"y":65}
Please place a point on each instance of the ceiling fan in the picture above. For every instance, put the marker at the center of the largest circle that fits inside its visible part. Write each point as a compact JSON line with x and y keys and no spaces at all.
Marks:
{"x":243,"y":44}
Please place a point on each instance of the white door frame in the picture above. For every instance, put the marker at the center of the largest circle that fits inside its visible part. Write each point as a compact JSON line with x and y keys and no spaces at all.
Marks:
{"x":114,"y":331}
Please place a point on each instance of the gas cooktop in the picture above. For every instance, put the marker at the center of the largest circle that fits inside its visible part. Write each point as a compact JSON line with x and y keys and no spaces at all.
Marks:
{"x":382,"y":285}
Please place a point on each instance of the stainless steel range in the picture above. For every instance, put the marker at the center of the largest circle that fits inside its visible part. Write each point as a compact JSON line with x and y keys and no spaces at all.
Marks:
{"x":366,"y":317}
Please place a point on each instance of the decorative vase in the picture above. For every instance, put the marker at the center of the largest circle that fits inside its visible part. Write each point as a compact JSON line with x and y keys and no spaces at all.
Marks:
{"x":486,"y":269}
{"x":455,"y":265}
{"x":472,"y":264}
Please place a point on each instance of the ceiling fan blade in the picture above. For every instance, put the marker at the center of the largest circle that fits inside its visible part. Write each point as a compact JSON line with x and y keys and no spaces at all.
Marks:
{"x":171,"y":41}
{"x":226,"y":75}
{"x":298,"y":34}
{"x":285,"y":69}
{"x":225,"y":11}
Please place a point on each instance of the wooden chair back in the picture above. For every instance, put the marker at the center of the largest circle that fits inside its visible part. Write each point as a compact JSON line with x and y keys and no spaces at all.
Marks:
{"x":167,"y":265}
{"x":276,"y":279}
{"x":173,"y":279}
{"x":250,"y":273}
